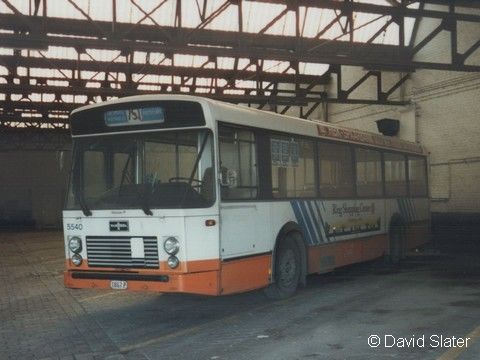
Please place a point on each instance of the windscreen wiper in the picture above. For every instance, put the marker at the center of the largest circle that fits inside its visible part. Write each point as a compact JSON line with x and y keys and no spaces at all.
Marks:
{"x":143,"y":197}
{"x":197,"y":160}
{"x":86,"y":211}
{"x":145,"y":207}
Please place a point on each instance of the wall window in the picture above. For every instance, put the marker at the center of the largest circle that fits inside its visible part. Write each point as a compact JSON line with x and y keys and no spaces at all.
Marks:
{"x":395,"y":175}
{"x":336,"y":170}
{"x":238,"y":163}
{"x":417,"y":176}
{"x":369,"y":172}
{"x":293,"y":167}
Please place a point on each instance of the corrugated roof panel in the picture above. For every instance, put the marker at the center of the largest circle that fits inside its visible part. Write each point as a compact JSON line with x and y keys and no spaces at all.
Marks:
{"x":92,"y":84}
{"x":275,"y":66}
{"x":258,"y":15}
{"x":191,"y":12}
{"x":54,"y":52}
{"x":225,"y":63}
{"x":189,"y":60}
{"x":66,"y":10}
{"x":227,"y":20}
{"x":149,"y":87}
{"x":375,"y":22}
{"x":93,"y":75}
{"x":4,"y":51}
{"x":312,"y":69}
{"x":284,"y":26}
{"x":314,"y":18}
{"x":102,"y":55}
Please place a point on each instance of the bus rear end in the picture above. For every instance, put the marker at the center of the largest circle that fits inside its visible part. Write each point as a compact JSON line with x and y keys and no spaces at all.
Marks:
{"x":141,"y":210}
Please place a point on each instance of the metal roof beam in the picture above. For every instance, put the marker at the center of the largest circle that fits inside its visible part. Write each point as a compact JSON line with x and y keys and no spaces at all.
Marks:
{"x":221,"y":43}
{"x":151,"y":69}
{"x":395,"y":11}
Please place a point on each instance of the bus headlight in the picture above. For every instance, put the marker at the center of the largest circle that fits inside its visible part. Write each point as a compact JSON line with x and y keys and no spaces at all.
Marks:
{"x":171,"y":246}
{"x":77,"y":260}
{"x":75,"y":244}
{"x":173,"y":262}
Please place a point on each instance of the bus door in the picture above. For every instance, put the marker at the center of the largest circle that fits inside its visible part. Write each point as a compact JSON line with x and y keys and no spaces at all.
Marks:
{"x":244,"y":222}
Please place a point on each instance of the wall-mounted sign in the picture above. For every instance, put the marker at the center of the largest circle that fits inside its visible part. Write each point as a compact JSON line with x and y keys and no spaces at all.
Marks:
{"x":147,"y":115}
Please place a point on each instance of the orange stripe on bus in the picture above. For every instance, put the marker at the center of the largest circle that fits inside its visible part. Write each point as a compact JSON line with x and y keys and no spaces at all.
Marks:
{"x":245,"y":274}
{"x":323,"y":258}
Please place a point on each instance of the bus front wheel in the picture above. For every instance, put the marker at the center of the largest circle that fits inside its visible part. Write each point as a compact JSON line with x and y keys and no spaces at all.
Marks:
{"x":287,"y":269}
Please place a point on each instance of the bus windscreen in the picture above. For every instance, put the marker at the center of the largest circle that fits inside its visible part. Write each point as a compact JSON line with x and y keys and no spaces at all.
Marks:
{"x":172,"y":169}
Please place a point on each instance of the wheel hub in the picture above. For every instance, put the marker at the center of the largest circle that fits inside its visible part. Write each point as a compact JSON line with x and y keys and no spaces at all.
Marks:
{"x":287,"y":267}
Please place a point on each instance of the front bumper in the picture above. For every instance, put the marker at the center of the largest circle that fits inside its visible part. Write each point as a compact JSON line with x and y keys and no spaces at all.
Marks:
{"x":204,"y":283}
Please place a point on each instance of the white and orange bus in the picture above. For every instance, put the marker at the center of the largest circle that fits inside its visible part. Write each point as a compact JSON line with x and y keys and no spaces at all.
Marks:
{"x":175,"y":193}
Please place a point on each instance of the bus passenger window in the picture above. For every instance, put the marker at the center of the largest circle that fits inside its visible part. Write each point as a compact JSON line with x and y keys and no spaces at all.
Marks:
{"x":336,"y":170}
{"x":238,"y":163}
{"x":369,"y":172}
{"x":417,"y":176}
{"x":395,"y":176}
{"x":293,"y":167}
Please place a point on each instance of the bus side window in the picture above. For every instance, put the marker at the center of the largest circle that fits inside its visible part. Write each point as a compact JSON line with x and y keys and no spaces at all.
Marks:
{"x":293,"y":167}
{"x":238,"y":163}
{"x":369,"y":172}
{"x":395,"y":175}
{"x":336,"y":170}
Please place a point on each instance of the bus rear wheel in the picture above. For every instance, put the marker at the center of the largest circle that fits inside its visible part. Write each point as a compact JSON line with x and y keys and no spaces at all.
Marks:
{"x":287,"y":270}
{"x":397,"y":240}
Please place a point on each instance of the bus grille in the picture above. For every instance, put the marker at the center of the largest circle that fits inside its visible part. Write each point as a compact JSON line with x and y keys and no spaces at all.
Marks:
{"x":105,"y":251}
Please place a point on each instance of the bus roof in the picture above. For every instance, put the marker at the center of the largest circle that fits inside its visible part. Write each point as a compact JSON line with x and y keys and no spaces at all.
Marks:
{"x":246,"y":116}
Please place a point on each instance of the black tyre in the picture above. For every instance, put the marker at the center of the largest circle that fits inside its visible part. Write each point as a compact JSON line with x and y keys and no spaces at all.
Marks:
{"x":287,"y":269}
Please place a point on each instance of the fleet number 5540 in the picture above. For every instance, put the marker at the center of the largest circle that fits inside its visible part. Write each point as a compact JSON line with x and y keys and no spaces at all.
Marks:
{"x":74,"y":226}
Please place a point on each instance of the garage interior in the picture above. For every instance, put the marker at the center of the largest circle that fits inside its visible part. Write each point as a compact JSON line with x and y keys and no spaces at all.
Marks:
{"x":346,"y":62}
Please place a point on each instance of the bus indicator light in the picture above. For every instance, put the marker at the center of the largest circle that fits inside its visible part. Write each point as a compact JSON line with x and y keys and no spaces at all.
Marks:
{"x":77,"y":260}
{"x":173,"y":262}
{"x":210,"y":222}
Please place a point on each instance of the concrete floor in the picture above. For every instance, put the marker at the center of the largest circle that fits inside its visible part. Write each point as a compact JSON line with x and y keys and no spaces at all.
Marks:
{"x":332,"y":317}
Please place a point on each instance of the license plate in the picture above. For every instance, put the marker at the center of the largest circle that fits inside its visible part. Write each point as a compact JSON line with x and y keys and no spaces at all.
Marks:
{"x":118,"y":284}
